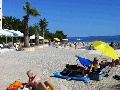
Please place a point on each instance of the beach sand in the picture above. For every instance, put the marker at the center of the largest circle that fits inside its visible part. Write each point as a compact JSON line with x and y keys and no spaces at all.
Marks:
{"x":45,"y":61}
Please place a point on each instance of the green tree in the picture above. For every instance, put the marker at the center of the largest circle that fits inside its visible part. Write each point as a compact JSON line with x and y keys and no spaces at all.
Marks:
{"x":60,"y":35}
{"x":36,"y":34}
{"x":43,"y":25}
{"x":31,"y":30}
{"x":29,"y":12}
{"x":10,"y":22}
{"x":48,"y":35}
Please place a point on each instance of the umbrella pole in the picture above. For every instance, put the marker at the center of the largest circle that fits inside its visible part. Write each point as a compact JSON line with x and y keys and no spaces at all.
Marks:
{"x":6,"y":39}
{"x":12,"y":40}
{"x":101,"y":56}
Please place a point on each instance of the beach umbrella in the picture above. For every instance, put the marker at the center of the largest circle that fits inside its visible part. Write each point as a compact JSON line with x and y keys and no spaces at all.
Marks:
{"x":105,"y":49}
{"x":56,"y":39}
{"x":40,"y":37}
{"x":46,"y":40}
{"x":15,"y":33}
{"x":33,"y":37}
{"x":19,"y":34}
{"x":6,"y":33}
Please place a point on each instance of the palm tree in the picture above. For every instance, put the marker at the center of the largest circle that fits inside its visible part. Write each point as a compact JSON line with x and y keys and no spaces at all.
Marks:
{"x":43,"y":24}
{"x":36,"y":34}
{"x":12,"y":23}
{"x":29,"y":12}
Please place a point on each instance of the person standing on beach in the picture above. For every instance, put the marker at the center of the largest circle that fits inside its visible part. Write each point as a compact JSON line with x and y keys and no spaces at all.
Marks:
{"x":90,"y":47}
{"x":75,"y":45}
{"x":50,"y":42}
{"x":112,"y":44}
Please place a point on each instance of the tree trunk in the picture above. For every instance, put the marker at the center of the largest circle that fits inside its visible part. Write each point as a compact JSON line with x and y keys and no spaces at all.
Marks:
{"x":26,"y":37}
{"x":36,"y":38}
{"x":43,"y":34}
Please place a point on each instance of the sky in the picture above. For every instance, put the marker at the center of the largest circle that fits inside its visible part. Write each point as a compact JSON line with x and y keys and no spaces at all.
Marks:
{"x":76,"y":18}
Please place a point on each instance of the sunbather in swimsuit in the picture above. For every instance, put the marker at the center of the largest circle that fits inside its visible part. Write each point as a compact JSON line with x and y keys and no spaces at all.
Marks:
{"x":73,"y":70}
{"x":36,"y":84}
{"x":116,"y":62}
{"x":95,"y":66}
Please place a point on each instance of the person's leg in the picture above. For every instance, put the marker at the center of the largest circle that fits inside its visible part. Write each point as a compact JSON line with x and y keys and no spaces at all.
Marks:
{"x":98,"y":70}
{"x":41,"y":86}
{"x":104,"y":61}
{"x":47,"y":83}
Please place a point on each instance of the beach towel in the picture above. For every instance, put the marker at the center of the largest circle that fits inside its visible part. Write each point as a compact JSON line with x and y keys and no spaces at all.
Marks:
{"x":15,"y":85}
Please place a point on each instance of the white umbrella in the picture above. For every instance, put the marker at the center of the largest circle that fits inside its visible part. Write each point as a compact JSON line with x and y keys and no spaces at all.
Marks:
{"x":19,"y":33}
{"x":40,"y":37}
{"x":15,"y":33}
{"x":33,"y":37}
{"x":5,"y":33}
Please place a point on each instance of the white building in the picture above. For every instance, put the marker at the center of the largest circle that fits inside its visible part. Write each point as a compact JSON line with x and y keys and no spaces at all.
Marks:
{"x":0,"y":14}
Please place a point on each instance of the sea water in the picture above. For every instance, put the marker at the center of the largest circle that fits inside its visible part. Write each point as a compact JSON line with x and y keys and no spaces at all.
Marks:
{"x":107,"y":39}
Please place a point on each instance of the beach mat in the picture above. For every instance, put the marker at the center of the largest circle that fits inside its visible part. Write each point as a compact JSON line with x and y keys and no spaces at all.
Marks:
{"x":58,"y":75}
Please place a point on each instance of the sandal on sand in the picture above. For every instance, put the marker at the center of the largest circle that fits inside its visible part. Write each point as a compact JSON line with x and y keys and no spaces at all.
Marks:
{"x":106,"y":75}
{"x":68,"y":79}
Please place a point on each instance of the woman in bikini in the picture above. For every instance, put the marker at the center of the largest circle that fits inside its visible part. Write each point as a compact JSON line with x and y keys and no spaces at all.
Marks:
{"x":95,"y":66}
{"x":36,"y":84}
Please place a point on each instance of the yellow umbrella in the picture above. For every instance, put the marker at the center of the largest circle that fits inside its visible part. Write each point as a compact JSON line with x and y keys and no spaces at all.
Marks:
{"x":46,"y":40}
{"x":56,"y":39}
{"x":105,"y":49}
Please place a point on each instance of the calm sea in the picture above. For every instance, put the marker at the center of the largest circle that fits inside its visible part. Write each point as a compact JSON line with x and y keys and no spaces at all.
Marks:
{"x":107,"y":39}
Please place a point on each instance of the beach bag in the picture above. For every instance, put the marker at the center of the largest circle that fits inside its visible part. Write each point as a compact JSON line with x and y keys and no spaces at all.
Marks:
{"x":117,"y":77}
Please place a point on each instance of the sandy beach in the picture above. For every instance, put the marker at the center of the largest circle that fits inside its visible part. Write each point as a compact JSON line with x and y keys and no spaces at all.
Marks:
{"x":45,"y":61}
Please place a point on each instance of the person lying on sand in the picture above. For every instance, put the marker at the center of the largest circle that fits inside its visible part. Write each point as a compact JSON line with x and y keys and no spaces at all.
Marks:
{"x":35,"y":83}
{"x":74,"y":70}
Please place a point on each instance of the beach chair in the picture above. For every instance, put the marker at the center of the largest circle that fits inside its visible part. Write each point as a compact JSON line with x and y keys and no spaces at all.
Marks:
{"x":5,"y":45}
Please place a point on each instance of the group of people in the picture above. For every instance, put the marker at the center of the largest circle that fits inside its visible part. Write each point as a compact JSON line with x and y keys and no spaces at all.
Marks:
{"x":112,"y":44}
{"x":96,"y":66}
{"x":73,"y":70}
{"x":18,"y":44}
{"x":70,"y":70}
